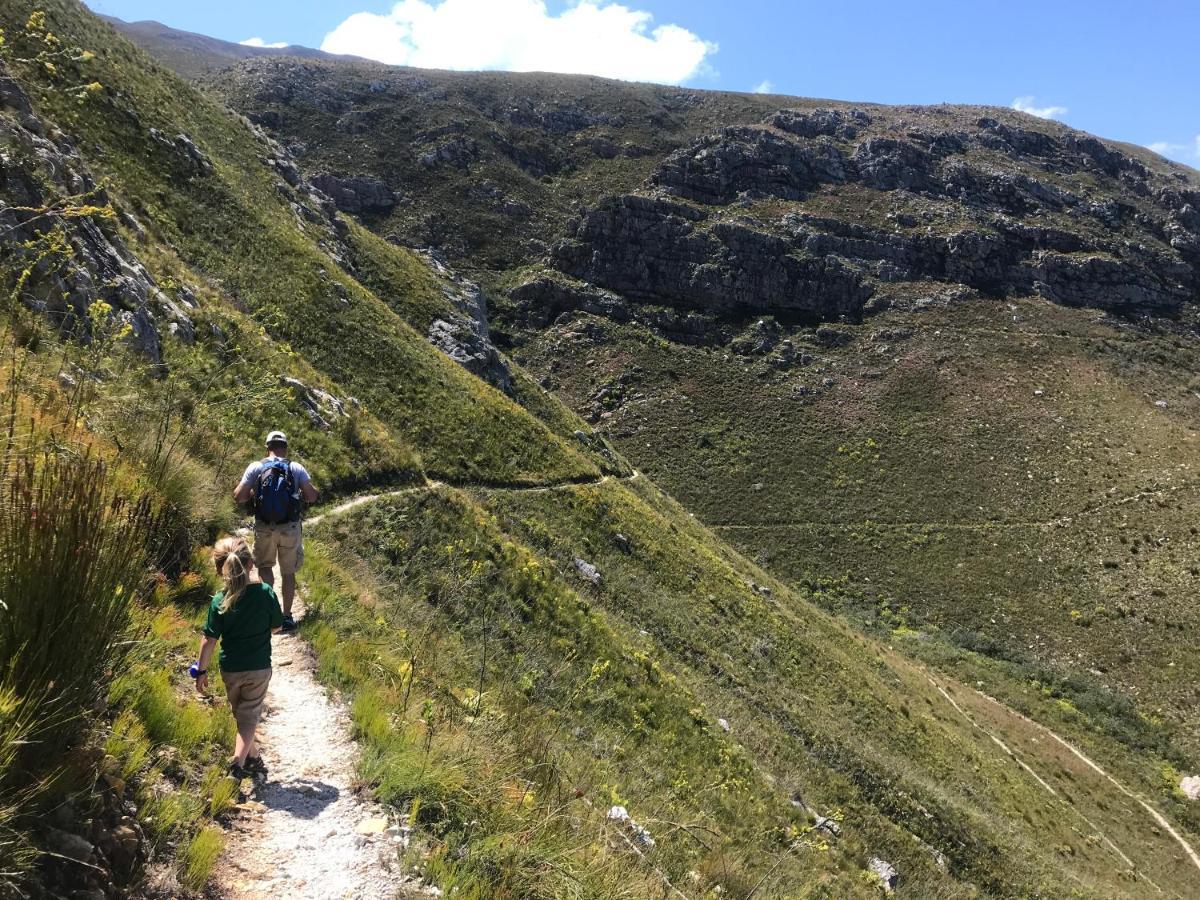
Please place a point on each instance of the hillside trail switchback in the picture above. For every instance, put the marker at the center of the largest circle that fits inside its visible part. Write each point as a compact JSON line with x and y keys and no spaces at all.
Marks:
{"x":361,"y":499}
{"x":307,"y":832}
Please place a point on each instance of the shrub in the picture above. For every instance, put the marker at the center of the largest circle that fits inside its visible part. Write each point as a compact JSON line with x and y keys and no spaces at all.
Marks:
{"x":199,"y":856}
{"x":73,"y":555}
{"x":15,"y":852}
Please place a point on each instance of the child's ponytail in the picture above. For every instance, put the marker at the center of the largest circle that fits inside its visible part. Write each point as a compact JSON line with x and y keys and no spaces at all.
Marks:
{"x":232,"y":558}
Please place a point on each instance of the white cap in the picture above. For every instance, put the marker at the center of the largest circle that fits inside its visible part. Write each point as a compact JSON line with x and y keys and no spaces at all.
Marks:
{"x":276,"y":437}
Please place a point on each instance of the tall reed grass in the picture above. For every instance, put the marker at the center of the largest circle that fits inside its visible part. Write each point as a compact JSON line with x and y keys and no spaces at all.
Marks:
{"x":74,"y":557}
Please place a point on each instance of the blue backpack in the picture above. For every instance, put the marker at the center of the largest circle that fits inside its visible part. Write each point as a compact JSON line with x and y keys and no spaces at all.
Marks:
{"x":275,"y":500}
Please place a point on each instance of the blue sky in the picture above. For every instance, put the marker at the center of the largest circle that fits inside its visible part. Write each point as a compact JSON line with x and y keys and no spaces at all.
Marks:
{"x":1123,"y":71}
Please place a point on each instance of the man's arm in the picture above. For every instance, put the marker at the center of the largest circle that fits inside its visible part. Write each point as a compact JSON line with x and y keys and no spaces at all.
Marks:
{"x":245,"y":489}
{"x":304,"y":483}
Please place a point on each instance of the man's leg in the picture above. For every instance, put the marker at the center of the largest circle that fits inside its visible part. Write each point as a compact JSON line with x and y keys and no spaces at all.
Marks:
{"x":266,"y":548}
{"x":289,"y":592}
{"x":291,"y":557}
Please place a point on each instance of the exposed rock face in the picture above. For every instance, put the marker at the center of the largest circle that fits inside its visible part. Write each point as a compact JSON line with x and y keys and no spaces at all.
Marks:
{"x":355,"y":194}
{"x":186,"y":155}
{"x":465,"y":337}
{"x":885,"y":872}
{"x":720,"y":167}
{"x":844,"y":124}
{"x":1022,"y":228}
{"x":39,"y":169}
{"x":322,"y":407}
{"x":654,"y":250}
{"x":459,"y":152}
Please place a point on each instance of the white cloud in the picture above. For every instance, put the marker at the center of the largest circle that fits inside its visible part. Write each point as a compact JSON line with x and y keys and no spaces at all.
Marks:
{"x":259,"y":42}
{"x":593,"y":37}
{"x":1176,"y":151}
{"x":766,"y":86}
{"x":1025,"y":105}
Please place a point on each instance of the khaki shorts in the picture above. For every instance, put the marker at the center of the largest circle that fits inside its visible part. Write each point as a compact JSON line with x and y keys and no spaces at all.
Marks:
{"x":285,"y":542}
{"x":246,"y":692}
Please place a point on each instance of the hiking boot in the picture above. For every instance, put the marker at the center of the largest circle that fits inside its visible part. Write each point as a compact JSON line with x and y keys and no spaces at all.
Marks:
{"x":237,"y":773}
{"x":255,"y":766}
{"x":289,"y":624}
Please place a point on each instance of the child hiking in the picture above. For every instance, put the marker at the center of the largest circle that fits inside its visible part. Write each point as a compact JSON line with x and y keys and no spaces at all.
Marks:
{"x":242,"y":617}
{"x":278,"y":489}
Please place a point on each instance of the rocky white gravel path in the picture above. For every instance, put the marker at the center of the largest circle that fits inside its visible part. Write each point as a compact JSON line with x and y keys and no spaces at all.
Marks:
{"x":305,"y":834}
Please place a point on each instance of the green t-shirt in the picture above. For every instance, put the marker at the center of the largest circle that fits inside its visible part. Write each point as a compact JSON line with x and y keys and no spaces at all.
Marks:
{"x":245,"y":630}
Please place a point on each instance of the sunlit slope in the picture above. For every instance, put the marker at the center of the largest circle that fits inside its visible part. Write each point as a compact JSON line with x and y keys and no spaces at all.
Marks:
{"x":915,"y":764}
{"x":1016,"y":475}
{"x":234,"y":220}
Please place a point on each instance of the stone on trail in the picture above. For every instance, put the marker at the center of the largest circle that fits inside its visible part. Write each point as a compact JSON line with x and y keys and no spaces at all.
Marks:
{"x":372,"y":826}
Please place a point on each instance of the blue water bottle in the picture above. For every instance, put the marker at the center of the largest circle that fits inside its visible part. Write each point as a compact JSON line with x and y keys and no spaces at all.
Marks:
{"x":194,"y":670}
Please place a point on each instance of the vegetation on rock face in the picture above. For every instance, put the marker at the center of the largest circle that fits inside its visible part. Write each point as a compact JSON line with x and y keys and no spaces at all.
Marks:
{"x":571,"y":685}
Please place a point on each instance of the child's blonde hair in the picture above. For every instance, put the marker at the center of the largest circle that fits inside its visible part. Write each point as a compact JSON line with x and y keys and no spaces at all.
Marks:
{"x":232,"y":558}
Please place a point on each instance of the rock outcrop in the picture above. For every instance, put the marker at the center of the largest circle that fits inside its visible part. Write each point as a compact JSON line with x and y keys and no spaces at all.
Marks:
{"x":654,"y":250}
{"x":695,"y":238}
{"x":49,"y":190}
{"x":355,"y":194}
{"x":464,"y":336}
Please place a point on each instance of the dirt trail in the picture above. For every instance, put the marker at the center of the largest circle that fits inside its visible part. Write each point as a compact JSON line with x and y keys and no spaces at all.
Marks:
{"x":434,"y":485}
{"x":305,"y":833}
{"x":300,"y":835}
{"x":1158,"y":817}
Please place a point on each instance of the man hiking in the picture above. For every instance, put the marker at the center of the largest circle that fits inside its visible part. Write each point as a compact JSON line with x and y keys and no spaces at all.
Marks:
{"x":278,"y":489}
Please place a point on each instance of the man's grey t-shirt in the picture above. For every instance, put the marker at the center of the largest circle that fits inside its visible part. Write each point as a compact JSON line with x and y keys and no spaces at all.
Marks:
{"x":299,"y":473}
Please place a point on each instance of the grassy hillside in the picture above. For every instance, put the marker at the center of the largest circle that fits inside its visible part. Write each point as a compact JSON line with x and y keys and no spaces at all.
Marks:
{"x":972,"y":461}
{"x":690,"y":687}
{"x":1015,"y":477}
{"x":229,"y":220}
{"x":546,"y":637}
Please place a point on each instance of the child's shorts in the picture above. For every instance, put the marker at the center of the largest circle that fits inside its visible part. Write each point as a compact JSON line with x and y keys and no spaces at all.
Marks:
{"x":246,"y":692}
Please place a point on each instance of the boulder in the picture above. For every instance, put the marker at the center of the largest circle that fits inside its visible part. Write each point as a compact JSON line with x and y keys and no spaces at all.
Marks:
{"x":321,"y":406}
{"x":885,"y":871}
{"x":72,"y":846}
{"x":587,"y":570}
{"x":355,"y":194}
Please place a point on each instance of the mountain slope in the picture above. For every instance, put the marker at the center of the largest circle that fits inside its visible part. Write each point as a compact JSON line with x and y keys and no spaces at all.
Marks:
{"x":547,"y":638}
{"x":1009,"y":311}
{"x":193,"y":54}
